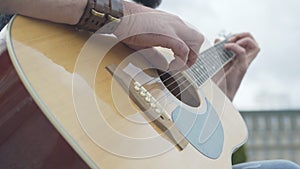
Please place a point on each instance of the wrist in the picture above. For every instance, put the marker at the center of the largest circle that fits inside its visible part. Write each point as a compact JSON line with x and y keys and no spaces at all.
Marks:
{"x":97,"y":13}
{"x":80,"y":7}
{"x":132,"y":8}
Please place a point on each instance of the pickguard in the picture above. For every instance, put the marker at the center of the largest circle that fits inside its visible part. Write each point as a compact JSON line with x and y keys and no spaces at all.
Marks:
{"x":193,"y":126}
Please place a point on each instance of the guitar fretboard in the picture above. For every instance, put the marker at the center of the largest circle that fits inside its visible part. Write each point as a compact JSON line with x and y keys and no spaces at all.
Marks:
{"x":209,"y":63}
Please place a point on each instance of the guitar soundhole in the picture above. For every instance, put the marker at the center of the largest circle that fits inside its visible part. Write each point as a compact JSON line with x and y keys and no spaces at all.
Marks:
{"x":180,"y":87}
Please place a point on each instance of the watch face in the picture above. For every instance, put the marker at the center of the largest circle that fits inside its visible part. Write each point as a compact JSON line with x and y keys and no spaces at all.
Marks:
{"x":149,"y":3}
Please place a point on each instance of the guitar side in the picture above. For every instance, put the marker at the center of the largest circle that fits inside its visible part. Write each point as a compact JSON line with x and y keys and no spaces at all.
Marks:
{"x":46,"y":57}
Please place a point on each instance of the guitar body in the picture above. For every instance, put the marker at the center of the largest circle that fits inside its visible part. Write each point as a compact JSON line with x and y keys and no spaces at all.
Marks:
{"x":27,"y":138}
{"x":67,"y":74}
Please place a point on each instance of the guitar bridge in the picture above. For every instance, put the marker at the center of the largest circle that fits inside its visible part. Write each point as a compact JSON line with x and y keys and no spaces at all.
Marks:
{"x":150,"y":106}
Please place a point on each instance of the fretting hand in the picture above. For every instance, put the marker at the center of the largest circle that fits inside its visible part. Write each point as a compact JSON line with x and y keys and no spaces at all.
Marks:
{"x":246,"y":49}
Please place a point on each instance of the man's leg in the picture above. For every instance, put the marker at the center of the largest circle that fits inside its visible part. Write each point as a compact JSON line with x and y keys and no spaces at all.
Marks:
{"x":269,"y":164}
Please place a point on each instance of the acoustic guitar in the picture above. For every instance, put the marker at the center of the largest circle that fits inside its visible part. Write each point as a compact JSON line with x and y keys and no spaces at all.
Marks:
{"x":113,"y":109}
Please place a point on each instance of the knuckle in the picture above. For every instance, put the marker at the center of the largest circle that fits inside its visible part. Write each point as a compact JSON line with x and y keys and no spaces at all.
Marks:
{"x":247,"y":33}
{"x":242,"y":51}
{"x":184,"y":50}
{"x":199,"y":37}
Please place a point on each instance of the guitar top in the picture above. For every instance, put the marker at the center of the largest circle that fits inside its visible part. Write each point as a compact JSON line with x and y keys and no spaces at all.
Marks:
{"x":85,"y":86}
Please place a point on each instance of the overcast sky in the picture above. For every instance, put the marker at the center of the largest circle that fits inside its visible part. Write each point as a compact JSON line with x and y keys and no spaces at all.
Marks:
{"x":273,"y":80}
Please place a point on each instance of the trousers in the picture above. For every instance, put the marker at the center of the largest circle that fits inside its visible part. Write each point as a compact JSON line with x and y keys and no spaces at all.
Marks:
{"x":268,"y":164}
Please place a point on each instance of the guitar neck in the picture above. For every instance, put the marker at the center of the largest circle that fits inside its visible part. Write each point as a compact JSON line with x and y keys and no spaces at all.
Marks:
{"x":210,"y":62}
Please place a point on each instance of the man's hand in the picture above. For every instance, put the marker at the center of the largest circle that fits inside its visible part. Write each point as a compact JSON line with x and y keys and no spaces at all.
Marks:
{"x":143,"y":27}
{"x":246,"y":49}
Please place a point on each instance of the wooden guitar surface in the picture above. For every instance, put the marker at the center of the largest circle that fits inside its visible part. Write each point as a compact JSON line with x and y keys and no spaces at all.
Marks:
{"x":66,"y":75}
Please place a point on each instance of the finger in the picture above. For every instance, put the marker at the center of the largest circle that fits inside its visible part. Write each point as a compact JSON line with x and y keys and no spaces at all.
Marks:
{"x":194,"y":41}
{"x":194,"y":52}
{"x":192,"y":58}
{"x":251,"y":48}
{"x":177,"y":65}
{"x":181,"y":57}
{"x":240,"y":36}
{"x":247,"y":43}
{"x":179,"y":47}
{"x":155,"y":57}
{"x":237,"y":49}
{"x":239,"y":60}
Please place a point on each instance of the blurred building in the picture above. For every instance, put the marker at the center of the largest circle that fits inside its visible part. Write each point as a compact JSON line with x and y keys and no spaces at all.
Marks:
{"x":273,"y":135}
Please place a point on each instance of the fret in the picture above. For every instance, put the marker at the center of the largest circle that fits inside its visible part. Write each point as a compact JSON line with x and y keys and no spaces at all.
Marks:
{"x":210,"y":62}
{"x":225,"y":57}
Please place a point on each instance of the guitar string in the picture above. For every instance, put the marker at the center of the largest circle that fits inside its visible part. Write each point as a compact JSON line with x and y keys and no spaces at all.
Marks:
{"x":179,"y":78}
{"x":200,"y":72}
{"x":216,"y":47}
{"x":169,"y":78}
{"x":226,"y":54}
{"x":165,"y":96}
{"x":205,"y":80}
{"x":200,"y":78}
{"x":202,"y":69}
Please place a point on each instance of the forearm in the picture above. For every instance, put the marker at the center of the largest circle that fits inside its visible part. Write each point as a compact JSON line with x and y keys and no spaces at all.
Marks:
{"x":155,"y":28}
{"x":60,"y":11}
